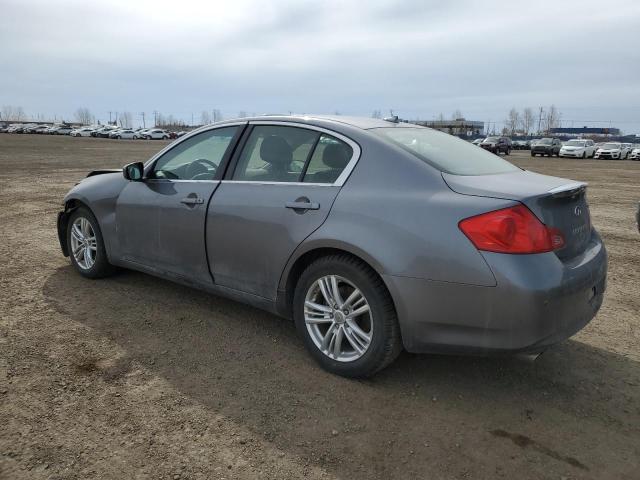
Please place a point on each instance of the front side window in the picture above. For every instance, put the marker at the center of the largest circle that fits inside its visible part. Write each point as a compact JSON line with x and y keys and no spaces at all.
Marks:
{"x":275,"y":154}
{"x":196,"y":158}
{"x":447,"y":153}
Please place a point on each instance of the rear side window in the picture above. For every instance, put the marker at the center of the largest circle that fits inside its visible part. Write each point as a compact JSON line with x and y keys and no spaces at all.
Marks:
{"x":275,"y":154}
{"x":446,"y":153}
{"x":328,"y":161}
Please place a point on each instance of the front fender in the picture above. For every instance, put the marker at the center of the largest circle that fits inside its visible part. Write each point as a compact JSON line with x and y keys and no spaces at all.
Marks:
{"x":99,"y":193}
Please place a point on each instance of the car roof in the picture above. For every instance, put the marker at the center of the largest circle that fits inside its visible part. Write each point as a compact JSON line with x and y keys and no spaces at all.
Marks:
{"x":364,"y":123}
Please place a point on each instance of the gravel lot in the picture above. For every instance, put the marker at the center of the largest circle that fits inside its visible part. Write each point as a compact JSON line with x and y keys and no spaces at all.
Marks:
{"x":135,"y":377}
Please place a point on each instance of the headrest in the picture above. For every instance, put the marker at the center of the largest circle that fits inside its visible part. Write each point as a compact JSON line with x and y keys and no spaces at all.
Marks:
{"x":335,"y":155}
{"x":276,"y":151}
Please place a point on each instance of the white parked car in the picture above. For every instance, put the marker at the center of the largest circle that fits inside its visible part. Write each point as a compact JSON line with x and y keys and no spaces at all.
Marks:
{"x":635,"y":153}
{"x":626,"y":149}
{"x":82,"y":132}
{"x":578,"y":148}
{"x":126,"y":133}
{"x":156,"y":134}
{"x":610,"y":150}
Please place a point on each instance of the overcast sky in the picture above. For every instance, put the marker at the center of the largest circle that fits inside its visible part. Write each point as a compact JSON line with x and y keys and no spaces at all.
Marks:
{"x":420,"y":58}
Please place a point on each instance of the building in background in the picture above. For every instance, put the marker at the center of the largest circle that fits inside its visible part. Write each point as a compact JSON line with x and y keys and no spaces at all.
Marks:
{"x":460,"y":126}
{"x":585,"y":131}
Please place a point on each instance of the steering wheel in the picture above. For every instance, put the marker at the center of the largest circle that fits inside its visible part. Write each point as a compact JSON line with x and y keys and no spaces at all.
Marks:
{"x":200,"y":168}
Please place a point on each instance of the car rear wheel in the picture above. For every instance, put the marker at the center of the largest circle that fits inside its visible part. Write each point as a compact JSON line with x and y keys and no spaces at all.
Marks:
{"x":346,"y":317}
{"x":86,"y":245}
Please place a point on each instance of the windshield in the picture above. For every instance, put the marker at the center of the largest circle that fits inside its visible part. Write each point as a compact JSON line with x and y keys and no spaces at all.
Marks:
{"x":446,"y":153}
{"x":491,"y":139}
{"x":545,"y":141}
{"x":610,"y":145}
{"x":575,"y":143}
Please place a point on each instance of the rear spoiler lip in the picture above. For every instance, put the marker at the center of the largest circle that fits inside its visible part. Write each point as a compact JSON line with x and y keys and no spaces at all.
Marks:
{"x":568,"y":189}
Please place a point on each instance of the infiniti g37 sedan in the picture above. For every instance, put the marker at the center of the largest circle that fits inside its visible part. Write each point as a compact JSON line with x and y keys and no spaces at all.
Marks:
{"x":372,"y":236}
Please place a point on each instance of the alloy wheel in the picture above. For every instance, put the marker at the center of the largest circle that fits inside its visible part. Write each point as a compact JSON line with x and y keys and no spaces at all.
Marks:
{"x":84,"y":245}
{"x":338,"y":318}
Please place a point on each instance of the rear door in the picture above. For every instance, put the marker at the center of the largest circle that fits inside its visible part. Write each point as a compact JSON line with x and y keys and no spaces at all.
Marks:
{"x":278,"y":190}
{"x":161,"y":220}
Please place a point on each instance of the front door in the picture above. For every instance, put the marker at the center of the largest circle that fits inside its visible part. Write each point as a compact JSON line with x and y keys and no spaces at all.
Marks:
{"x":161,"y":220}
{"x":278,"y":191}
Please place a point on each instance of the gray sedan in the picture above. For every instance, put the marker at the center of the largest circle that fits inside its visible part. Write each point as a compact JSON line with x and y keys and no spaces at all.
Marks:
{"x":373,"y":236}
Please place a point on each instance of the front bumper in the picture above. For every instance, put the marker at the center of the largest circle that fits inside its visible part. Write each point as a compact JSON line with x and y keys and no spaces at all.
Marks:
{"x":489,"y":148}
{"x":538,"y":301}
{"x":609,"y":156}
{"x":573,"y":153}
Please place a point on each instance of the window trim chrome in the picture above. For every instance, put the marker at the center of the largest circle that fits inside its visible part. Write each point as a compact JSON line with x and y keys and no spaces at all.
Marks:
{"x":339,"y":182}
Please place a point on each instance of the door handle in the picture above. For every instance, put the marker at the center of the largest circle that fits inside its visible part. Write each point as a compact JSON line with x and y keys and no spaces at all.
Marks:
{"x":302,"y":205}
{"x":192,"y":201}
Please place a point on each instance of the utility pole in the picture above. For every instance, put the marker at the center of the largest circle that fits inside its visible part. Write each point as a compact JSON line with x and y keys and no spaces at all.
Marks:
{"x":110,"y":117}
{"x":540,"y":119}
{"x":155,"y":118}
{"x":143,"y":124}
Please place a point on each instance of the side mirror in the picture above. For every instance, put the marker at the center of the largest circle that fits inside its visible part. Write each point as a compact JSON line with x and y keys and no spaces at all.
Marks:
{"x":133,"y":172}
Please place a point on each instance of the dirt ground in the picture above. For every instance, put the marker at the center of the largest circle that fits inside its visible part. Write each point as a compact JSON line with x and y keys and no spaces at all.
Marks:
{"x":133,"y":377}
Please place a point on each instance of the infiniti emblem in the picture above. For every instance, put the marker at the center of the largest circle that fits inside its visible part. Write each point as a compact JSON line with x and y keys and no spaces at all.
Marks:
{"x":577,"y":211}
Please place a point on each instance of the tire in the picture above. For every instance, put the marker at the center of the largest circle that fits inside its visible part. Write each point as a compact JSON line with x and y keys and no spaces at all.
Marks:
{"x":380,"y":321}
{"x":100,"y":266}
{"x":508,"y":152}
{"x":533,"y":154}
{"x":584,"y":154}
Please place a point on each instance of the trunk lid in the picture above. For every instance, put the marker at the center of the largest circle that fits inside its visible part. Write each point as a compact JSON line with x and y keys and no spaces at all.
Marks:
{"x":557,"y":202}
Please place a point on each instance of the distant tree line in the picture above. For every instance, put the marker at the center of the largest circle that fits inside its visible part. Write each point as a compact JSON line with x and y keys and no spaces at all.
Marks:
{"x":528,"y":122}
{"x":12,"y":113}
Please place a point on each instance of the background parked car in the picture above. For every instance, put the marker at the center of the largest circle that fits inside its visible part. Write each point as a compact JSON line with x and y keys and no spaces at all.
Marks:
{"x":578,"y":148}
{"x":520,"y":145}
{"x":546,"y":146}
{"x":63,"y":130}
{"x":106,"y":131}
{"x":635,"y":153}
{"x":610,"y":151}
{"x":156,"y":134}
{"x":497,"y":145}
{"x":126,"y":133}
{"x":15,"y":129}
{"x":82,"y":132}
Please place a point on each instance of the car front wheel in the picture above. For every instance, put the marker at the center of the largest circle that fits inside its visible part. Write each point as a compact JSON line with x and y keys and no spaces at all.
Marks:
{"x":346,"y":317}
{"x":86,"y":245}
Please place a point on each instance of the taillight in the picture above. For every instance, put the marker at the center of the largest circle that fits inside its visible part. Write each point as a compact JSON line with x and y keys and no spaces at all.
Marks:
{"x":511,"y":230}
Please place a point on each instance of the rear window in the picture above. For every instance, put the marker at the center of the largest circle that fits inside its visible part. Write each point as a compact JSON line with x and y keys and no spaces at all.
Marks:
{"x":446,"y":153}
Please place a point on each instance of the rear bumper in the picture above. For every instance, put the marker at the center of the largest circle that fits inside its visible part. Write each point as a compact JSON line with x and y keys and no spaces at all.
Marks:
{"x":538,"y":301}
